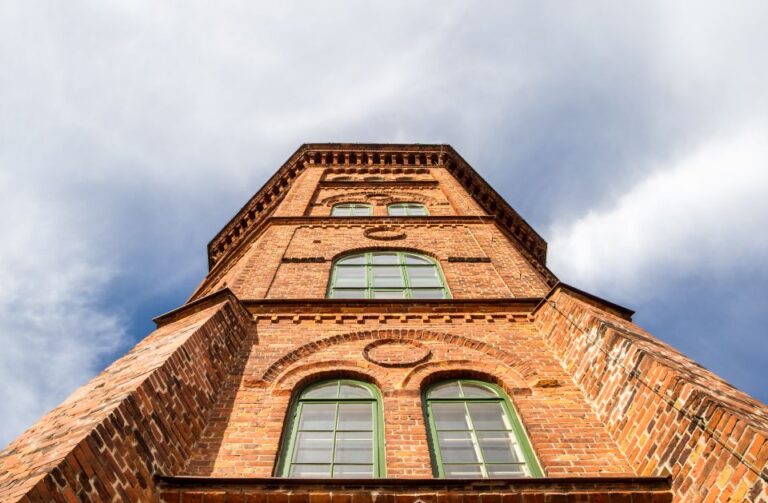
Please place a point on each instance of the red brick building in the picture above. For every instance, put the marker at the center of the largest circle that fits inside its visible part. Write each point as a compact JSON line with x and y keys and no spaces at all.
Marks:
{"x":378,"y":324}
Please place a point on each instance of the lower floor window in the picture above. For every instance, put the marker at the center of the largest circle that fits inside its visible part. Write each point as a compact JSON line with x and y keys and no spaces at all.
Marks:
{"x":474,"y":432}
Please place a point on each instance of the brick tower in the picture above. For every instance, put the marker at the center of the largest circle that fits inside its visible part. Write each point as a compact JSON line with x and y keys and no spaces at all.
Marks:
{"x":378,"y":324}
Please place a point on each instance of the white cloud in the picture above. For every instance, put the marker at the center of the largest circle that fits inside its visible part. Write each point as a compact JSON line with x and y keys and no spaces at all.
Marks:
{"x":52,"y":333}
{"x":703,"y":212}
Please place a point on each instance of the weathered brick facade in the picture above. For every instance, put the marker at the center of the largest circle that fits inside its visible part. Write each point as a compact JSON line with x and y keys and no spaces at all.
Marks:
{"x":197,"y":411}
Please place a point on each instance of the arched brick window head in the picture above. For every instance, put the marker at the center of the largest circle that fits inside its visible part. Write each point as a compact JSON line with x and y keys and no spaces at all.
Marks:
{"x":475,"y":433}
{"x":407,"y":210}
{"x":335,"y":432}
{"x":387,"y":275}
{"x":351,"y":210}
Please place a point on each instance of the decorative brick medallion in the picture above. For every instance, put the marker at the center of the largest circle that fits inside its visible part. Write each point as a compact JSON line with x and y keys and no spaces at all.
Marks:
{"x":396,"y":353}
{"x":384,"y":233}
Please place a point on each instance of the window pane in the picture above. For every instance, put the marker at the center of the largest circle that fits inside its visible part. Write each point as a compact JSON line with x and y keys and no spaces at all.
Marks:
{"x":350,"y":276}
{"x":417,"y":211}
{"x":355,"y":416}
{"x":317,"y":416}
{"x":497,"y":447}
{"x":450,"y":416}
{"x":462,"y":471}
{"x":384,"y":258}
{"x":341,"y":210}
{"x":447,"y":390}
{"x":389,"y":294}
{"x":413,"y":259}
{"x":397,"y":211}
{"x":348,"y":294}
{"x":387,"y":276}
{"x":361,"y":211}
{"x":427,"y":293}
{"x":488,"y":416}
{"x":325,"y":390}
{"x":354,"y":391}
{"x":313,"y":447}
{"x":456,"y":447}
{"x":354,"y":447}
{"x":423,"y":276}
{"x":505,"y":470}
{"x":477,"y":391}
{"x":352,"y":471}
{"x":353,"y":260}
{"x":310,"y":471}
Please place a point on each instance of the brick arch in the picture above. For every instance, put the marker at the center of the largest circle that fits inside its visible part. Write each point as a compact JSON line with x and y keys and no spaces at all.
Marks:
{"x":525,"y":368}
{"x":390,"y":248}
{"x":429,"y":373}
{"x":297,"y":376}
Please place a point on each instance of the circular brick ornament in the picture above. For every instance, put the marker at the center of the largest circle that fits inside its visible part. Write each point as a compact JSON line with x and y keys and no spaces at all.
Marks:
{"x":396,"y":353}
{"x":384,"y":233}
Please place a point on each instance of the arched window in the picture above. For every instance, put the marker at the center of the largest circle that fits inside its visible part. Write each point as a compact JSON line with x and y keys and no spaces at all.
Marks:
{"x":335,"y":431}
{"x":351,"y":210}
{"x":407,"y":210}
{"x":374,"y":179}
{"x":474,"y":432}
{"x":387,"y":275}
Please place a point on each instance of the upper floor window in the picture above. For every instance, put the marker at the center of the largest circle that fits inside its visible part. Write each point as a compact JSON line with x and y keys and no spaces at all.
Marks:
{"x":407,"y":210}
{"x":474,"y":432}
{"x":387,"y":275}
{"x":373,"y":179}
{"x":335,"y":432}
{"x":351,"y":210}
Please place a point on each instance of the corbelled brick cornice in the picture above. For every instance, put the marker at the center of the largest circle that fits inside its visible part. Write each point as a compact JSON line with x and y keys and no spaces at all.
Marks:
{"x":359,"y":157}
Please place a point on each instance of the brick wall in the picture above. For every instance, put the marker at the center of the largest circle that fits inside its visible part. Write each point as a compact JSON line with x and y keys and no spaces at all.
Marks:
{"x":657,"y":439}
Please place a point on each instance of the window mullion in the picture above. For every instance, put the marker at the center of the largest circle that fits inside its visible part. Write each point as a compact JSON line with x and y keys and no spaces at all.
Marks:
{"x":335,"y":431}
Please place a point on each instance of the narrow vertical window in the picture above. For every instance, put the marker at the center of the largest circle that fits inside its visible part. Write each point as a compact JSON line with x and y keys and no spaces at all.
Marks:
{"x":407,"y":210}
{"x":335,"y":432}
{"x":387,"y":275}
{"x":474,"y":432}
{"x":352,"y":210}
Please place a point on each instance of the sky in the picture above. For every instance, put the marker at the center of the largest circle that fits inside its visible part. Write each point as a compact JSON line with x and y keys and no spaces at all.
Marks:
{"x":632,"y":135}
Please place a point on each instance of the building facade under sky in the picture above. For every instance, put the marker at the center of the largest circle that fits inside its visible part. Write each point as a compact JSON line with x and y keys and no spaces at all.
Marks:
{"x":378,"y":324}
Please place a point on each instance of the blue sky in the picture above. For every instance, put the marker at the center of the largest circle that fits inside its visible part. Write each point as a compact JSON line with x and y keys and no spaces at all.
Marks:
{"x":632,"y":135}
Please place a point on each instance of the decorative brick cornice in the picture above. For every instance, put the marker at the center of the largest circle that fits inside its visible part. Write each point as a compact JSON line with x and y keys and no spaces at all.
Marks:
{"x":338,"y":155}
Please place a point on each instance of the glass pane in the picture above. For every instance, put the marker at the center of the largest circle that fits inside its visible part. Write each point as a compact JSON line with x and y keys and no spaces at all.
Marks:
{"x":477,"y":391}
{"x":417,"y":211}
{"x":423,"y":276}
{"x":353,"y":260}
{"x":497,"y":447}
{"x":350,"y":276}
{"x":317,"y":416}
{"x":397,"y":211}
{"x":447,"y":390}
{"x":354,"y":447}
{"x":389,"y":294}
{"x":325,"y":390}
{"x":427,"y":293}
{"x":355,"y":416}
{"x":354,"y":391}
{"x":310,"y":471}
{"x":313,"y":447}
{"x":348,"y":294}
{"x":352,"y":471}
{"x":505,"y":470}
{"x":387,"y":276}
{"x":450,"y":416}
{"x":488,"y":416}
{"x":384,"y":258}
{"x":341,"y":210}
{"x":456,"y":447}
{"x":361,"y":211}
{"x":462,"y":471}
{"x":413,"y":259}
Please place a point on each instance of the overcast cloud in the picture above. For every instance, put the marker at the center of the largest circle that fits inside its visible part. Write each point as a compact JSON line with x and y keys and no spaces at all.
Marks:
{"x":631,"y":135}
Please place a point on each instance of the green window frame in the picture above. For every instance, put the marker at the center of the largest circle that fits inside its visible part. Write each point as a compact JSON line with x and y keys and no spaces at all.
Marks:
{"x":474,"y":432}
{"x":407,"y":210}
{"x":387,"y":275}
{"x":351,"y":210}
{"x":330,"y":434}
